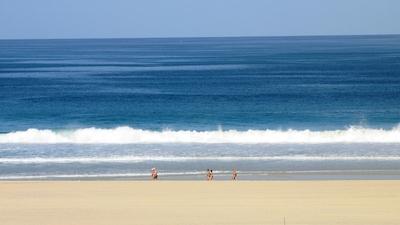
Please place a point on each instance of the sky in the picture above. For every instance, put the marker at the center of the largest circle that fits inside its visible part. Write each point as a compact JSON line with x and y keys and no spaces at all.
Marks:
{"x":31,"y":19}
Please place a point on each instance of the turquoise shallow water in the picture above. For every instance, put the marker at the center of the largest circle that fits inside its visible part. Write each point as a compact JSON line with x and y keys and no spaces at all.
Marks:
{"x":102,"y":107}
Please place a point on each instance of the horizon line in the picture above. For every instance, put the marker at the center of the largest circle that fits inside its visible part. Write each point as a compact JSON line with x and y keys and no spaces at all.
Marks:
{"x":193,"y":37}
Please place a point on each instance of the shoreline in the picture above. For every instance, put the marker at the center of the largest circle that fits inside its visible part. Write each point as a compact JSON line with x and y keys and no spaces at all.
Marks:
{"x":317,"y":175}
{"x":344,"y":202}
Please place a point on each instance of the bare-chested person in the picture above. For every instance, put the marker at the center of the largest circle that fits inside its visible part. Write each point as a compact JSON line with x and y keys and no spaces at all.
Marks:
{"x":234,"y":174}
{"x":154,"y":174}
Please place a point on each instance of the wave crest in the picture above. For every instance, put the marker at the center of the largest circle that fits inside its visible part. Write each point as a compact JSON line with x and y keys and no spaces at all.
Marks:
{"x":139,"y":159}
{"x":129,"y":135}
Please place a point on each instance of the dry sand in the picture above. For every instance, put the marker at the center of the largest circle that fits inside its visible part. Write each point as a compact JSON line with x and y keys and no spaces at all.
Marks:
{"x":197,"y":202}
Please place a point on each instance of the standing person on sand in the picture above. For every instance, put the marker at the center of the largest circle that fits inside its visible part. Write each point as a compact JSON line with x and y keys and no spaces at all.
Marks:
{"x":211,"y":175}
{"x":154,"y":174}
{"x":234,"y":174}
{"x":208,"y":174}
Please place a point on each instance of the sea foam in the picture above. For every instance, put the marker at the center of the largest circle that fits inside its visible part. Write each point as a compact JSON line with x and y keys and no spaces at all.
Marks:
{"x":139,"y":159}
{"x":129,"y":135}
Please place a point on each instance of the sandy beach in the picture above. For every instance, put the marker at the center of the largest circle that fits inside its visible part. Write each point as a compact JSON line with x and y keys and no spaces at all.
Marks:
{"x":199,"y":202}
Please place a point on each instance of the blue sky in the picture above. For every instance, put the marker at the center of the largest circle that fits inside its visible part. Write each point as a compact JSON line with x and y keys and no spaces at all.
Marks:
{"x":195,"y":18}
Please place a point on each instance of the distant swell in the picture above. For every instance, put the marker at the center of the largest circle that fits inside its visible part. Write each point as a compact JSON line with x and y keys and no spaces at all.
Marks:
{"x":128,"y":135}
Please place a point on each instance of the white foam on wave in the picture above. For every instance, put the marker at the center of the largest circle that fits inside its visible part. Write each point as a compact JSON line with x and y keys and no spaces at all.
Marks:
{"x":129,"y":135}
{"x":138,"y":159}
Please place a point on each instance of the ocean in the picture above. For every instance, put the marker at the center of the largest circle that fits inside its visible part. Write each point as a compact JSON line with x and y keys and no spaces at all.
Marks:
{"x":317,"y":107}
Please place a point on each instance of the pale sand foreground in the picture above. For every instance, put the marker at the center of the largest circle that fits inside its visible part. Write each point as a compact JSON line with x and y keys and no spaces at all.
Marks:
{"x":197,"y":202}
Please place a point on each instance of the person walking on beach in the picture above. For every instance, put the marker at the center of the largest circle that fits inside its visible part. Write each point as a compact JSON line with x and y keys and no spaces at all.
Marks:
{"x":154,"y":174}
{"x":234,"y":174}
{"x":208,"y":174}
{"x":211,"y":175}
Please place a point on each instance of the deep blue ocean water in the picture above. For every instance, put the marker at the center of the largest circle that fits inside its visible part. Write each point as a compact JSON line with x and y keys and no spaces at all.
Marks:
{"x":116,"y":107}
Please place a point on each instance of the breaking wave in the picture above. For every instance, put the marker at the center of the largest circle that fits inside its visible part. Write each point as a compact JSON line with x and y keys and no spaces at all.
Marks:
{"x":129,"y":135}
{"x":138,"y":159}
